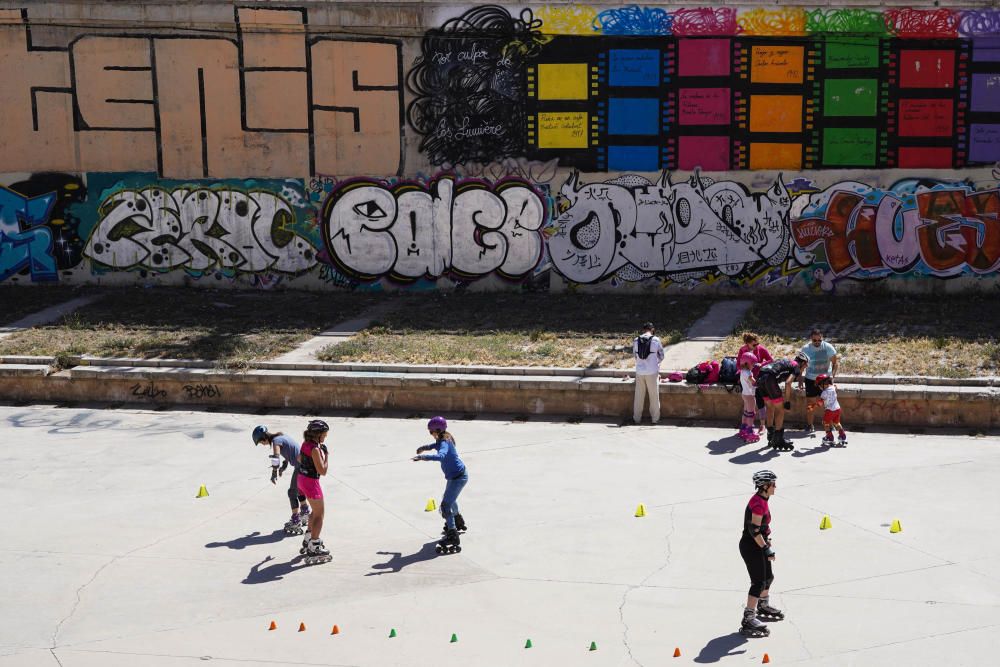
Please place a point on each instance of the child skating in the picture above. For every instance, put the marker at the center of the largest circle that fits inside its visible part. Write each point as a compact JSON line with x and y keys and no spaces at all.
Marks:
{"x":313,"y":464}
{"x":284,"y":447}
{"x":755,"y":548}
{"x":749,"y":391}
{"x":831,"y":411}
{"x":455,"y":474}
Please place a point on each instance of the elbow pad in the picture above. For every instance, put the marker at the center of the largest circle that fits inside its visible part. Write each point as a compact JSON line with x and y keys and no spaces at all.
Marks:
{"x":275,"y":461}
{"x":755,"y":530}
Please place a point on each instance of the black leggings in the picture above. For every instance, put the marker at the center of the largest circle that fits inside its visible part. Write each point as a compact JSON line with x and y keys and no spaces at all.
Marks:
{"x":294,"y":497}
{"x":758,"y":567}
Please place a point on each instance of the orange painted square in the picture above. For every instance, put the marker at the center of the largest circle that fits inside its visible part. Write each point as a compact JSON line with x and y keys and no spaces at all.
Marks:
{"x":775,"y":113}
{"x":775,"y":156}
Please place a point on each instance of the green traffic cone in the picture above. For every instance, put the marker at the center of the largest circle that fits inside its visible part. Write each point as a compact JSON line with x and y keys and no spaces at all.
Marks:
{"x":527,"y":644}
{"x":454,"y":638}
{"x":392,"y":633}
{"x":593,"y":646}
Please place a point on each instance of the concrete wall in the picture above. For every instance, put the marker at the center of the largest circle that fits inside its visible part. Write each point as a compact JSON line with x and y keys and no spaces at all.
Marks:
{"x":384,"y":145}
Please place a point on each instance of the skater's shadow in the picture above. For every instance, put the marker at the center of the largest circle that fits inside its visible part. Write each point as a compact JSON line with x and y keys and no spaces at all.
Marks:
{"x":761,"y":455}
{"x":251,"y":540}
{"x":397,"y":561}
{"x":275,"y":572}
{"x":725,"y":445}
{"x":818,"y":449}
{"x":721,"y":647}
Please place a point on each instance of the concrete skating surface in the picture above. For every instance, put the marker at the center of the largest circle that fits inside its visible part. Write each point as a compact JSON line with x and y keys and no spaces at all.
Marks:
{"x":109,"y":559}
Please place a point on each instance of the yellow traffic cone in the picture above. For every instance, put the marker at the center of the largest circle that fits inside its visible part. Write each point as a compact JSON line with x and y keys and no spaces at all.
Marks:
{"x":202,"y":492}
{"x":825,"y":523}
{"x":640,"y":510}
{"x":896,"y":527}
{"x":431,"y":505}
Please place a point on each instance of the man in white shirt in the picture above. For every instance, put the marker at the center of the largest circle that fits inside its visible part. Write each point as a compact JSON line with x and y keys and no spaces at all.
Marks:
{"x":648,"y":352}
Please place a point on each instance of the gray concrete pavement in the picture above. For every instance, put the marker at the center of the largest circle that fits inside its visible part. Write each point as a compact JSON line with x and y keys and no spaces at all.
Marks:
{"x":47,"y":315}
{"x":718,"y":322}
{"x":306,"y":352}
{"x":109,"y":559}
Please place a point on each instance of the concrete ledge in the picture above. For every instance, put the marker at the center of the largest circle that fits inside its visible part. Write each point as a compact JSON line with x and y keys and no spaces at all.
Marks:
{"x":917,"y":405}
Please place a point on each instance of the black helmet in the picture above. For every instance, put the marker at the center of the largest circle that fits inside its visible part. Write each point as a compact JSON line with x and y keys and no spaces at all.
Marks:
{"x":317,"y":426}
{"x":259,"y":433}
{"x":763,"y":478}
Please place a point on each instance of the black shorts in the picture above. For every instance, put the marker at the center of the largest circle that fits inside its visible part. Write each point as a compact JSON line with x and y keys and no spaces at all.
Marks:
{"x":812,"y":391}
{"x":768,"y":385}
{"x":759,"y":396}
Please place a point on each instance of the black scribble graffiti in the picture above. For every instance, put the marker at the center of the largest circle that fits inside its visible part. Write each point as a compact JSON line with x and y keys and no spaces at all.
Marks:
{"x":150,"y":391}
{"x":199,"y":391}
{"x":469,"y":86}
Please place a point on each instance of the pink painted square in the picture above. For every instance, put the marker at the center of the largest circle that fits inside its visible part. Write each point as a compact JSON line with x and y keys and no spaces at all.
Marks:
{"x":703,"y":57}
{"x":708,"y":153}
{"x":703,"y":106}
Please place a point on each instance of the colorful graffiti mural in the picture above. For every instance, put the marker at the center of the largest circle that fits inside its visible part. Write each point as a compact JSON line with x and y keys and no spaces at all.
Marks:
{"x":917,"y":228}
{"x":272,"y":101}
{"x":198,"y":229}
{"x":634,"y":229}
{"x":407,"y":231}
{"x":645,"y":88}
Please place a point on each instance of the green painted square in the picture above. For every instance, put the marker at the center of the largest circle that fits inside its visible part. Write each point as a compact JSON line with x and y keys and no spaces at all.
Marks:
{"x":851,"y":52}
{"x":849,"y":147}
{"x":850,"y":97}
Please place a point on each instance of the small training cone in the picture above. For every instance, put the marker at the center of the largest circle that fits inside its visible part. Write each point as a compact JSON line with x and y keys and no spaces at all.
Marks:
{"x":335,"y":631}
{"x":302,"y":627}
{"x":896,"y":527}
{"x":640,"y":510}
{"x":766,"y":659}
{"x":825,"y":523}
{"x":593,"y":646}
{"x":273,"y":626}
{"x":454,"y":638}
{"x":527,"y":644}
{"x":392,"y":633}
{"x":677,"y":652}
{"x":431,"y":505}
{"x":202,"y":492}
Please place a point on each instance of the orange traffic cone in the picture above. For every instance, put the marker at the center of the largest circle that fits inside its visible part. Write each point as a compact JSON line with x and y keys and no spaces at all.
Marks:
{"x":302,"y":627}
{"x":766,"y":659}
{"x":335,"y":631}
{"x":274,"y":626}
{"x":677,"y":652}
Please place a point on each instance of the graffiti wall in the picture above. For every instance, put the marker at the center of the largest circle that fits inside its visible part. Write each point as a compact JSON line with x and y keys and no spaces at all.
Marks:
{"x":340,"y":146}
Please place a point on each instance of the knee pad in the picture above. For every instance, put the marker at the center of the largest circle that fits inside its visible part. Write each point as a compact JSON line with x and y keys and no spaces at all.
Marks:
{"x":749,"y":414}
{"x":768,"y":582}
{"x":755,"y":588}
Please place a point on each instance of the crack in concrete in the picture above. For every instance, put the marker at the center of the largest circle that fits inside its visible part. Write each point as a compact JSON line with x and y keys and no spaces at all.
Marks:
{"x":629,"y":589}
{"x":802,"y":639}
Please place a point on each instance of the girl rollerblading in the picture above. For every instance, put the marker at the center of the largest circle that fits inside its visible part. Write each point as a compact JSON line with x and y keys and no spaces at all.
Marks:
{"x":457,"y":477}
{"x":755,"y":548}
{"x":749,"y":389}
{"x":313,"y":464}
{"x":284,"y":447}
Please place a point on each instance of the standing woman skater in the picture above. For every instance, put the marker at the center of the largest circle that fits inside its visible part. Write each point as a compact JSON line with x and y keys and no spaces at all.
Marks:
{"x":755,"y":548}
{"x":313,"y":464}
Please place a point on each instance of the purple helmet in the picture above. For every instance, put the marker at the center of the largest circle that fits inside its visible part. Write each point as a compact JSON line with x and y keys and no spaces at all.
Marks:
{"x":437,"y":424}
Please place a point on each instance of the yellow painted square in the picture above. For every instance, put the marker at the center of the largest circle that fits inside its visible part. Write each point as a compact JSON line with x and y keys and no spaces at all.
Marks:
{"x":775,"y":156}
{"x":562,"y":129}
{"x":562,"y":81}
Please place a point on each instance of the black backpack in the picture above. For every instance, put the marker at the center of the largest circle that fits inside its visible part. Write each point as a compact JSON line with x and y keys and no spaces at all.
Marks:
{"x":643,"y":345}
{"x":695,"y":375}
{"x":729,"y":373}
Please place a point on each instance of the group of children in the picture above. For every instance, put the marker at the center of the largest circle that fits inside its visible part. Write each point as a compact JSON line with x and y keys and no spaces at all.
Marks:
{"x":765,"y":400}
{"x":310,"y":461}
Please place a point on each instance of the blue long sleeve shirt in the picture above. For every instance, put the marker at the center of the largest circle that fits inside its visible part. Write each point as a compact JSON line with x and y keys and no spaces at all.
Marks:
{"x":451,"y":465}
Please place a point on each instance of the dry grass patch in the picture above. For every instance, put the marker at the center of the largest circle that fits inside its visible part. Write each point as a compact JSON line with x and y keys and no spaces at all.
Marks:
{"x":941,"y":336}
{"x":517,"y":329}
{"x":232,"y":328}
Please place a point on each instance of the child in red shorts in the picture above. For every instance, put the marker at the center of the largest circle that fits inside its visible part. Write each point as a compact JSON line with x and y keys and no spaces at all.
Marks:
{"x":831,"y":410}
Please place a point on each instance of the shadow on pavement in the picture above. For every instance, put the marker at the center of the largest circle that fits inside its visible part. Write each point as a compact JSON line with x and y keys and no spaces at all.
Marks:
{"x":818,"y":449}
{"x":397,"y":561}
{"x":725,"y":445}
{"x":721,"y":647}
{"x":251,"y":540}
{"x":276,"y":572}
{"x":761,"y":455}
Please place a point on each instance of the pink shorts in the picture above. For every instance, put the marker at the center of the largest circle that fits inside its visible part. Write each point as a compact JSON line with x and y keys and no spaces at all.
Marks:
{"x":310,"y":487}
{"x":831,"y":416}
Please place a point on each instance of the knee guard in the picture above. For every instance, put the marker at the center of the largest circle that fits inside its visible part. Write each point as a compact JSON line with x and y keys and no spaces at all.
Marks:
{"x":748,"y":414}
{"x":767,"y":583}
{"x":755,"y":588}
